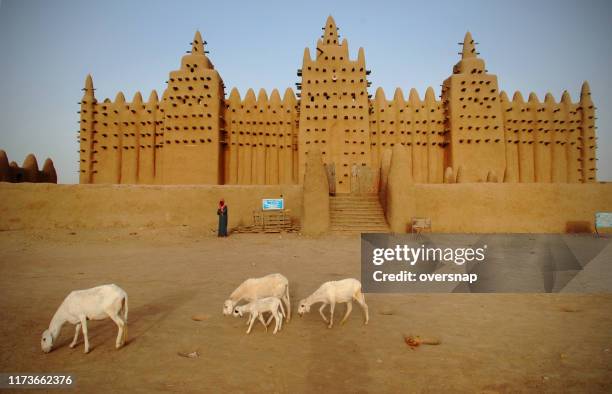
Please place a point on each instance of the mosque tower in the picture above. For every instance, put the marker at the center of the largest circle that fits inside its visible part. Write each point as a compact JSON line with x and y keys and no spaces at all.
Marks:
{"x":192,"y":109}
{"x":473,"y":110}
{"x":334,"y":109}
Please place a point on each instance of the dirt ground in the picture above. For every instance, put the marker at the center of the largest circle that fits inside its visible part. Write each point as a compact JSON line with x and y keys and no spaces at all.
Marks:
{"x":493,"y":343}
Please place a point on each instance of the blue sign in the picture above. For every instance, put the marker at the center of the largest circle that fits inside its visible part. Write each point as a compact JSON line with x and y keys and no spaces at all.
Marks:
{"x":273,"y":204}
{"x":603,"y":219}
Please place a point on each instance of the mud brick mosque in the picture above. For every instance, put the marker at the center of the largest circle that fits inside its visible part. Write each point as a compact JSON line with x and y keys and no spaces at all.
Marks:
{"x":195,"y":134}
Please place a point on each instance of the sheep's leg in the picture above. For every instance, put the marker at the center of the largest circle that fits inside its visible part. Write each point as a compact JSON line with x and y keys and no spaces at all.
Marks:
{"x":269,"y":320}
{"x":120,"y":324}
{"x":349,"y":308}
{"x":332,"y":306}
{"x":249,"y":319}
{"x":261,"y":319}
{"x":280,"y":324}
{"x":321,"y":313}
{"x":361,"y":300}
{"x":253,"y":316}
{"x":276,"y":317}
{"x":84,"y":328}
{"x":77,"y":328}
{"x":288,"y":303}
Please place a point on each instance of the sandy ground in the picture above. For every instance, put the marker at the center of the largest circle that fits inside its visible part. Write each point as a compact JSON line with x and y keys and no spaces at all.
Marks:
{"x":489,"y":343}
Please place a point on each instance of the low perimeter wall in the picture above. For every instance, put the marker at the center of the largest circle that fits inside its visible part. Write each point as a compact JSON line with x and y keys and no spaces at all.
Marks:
{"x":27,"y":206}
{"x":501,"y":207}
{"x":453,"y":208}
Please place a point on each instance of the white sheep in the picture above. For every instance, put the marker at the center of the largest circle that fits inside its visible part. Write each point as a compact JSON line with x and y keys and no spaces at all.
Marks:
{"x":273,"y":285}
{"x":333,"y":292}
{"x":97,"y":303}
{"x":258,"y":307}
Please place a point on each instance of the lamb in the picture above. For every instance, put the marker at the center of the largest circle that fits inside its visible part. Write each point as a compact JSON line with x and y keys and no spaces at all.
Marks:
{"x":273,"y":285}
{"x":97,"y":303}
{"x":333,"y":292}
{"x":258,"y":307}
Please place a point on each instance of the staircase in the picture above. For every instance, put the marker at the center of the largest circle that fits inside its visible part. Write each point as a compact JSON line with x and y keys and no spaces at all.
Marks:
{"x":357,"y":213}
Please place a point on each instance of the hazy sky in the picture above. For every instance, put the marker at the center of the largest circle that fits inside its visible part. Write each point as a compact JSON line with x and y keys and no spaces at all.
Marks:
{"x":48,"y":47}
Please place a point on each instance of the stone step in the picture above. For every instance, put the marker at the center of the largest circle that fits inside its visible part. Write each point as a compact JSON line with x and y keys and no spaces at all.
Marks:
{"x":358,"y":224}
{"x":360,"y":227}
{"x":354,"y":202}
{"x":353,"y":199}
{"x":354,"y":206}
{"x":362,"y":213}
{"x":348,"y":208}
{"x":357,"y":215}
{"x":358,"y":220}
{"x":360,"y":230}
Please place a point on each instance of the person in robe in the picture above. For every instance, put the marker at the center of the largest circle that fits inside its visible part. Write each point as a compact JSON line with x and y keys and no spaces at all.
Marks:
{"x":222,"y":213}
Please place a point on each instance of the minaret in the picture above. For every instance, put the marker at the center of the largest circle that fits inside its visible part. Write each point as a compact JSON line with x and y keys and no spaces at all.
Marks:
{"x":330,"y":37}
{"x":468,"y":51}
{"x":193,"y":106}
{"x":334,"y":110}
{"x":471,"y":100}
{"x":86,"y":132}
{"x":197,"y":46}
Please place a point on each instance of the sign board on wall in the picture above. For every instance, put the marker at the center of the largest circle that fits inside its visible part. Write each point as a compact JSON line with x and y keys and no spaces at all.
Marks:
{"x":272,"y":204}
{"x":603,"y":219}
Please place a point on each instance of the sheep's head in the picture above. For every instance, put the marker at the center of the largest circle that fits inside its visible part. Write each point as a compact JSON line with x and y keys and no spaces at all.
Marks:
{"x":303,"y":308}
{"x":228,"y":307}
{"x":237,"y":312}
{"x":46,"y":342}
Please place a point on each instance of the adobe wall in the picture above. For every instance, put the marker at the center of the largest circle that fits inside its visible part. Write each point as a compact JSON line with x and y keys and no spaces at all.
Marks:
{"x":261,"y":135}
{"x":43,"y":206}
{"x":473,"y":133}
{"x":416,"y":125}
{"x":174,"y":140}
{"x":316,"y":218}
{"x":503,"y":207}
{"x":453,"y":208}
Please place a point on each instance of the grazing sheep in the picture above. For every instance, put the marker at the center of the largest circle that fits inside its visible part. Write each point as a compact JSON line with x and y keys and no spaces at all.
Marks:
{"x":333,"y":292}
{"x":97,"y":303}
{"x":258,"y":307}
{"x":273,"y":285}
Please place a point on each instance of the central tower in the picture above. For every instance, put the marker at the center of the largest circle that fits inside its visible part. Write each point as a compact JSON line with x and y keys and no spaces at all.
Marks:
{"x":470,"y":96}
{"x":192,"y":108}
{"x":334,"y":109}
